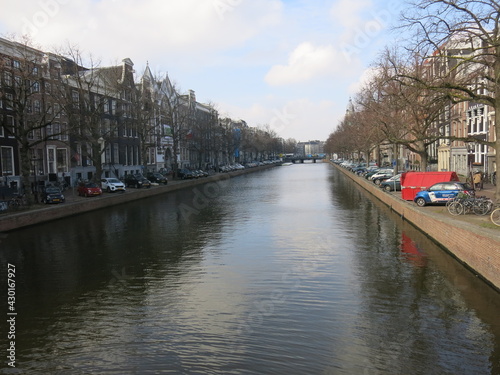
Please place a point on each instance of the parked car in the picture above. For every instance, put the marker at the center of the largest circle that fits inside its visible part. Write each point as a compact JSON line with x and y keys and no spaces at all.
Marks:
{"x":137,"y":180}
{"x":371,"y":172}
{"x":89,"y":189}
{"x":52,"y":194}
{"x":157,"y":177}
{"x":392,"y":184}
{"x":196,"y":174}
{"x":202,"y":173}
{"x":111,"y":184}
{"x":441,"y":193}
{"x":380,"y":176}
{"x":382,"y":171}
{"x":166,"y":171}
{"x":185,"y":173}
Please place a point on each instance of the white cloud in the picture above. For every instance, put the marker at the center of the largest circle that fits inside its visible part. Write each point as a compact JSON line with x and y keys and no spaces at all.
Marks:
{"x":364,"y":78}
{"x":265,"y":61}
{"x":113,"y":28}
{"x":348,"y":13}
{"x":306,"y":62}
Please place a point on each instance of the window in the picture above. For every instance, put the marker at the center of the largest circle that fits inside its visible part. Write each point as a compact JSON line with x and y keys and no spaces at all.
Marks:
{"x":151,"y":155}
{"x":9,"y":124}
{"x":7,"y":160}
{"x":437,"y":187}
{"x":64,"y":132}
{"x":106,"y":127}
{"x":48,"y":132}
{"x":57,"y":110}
{"x":449,"y":186}
{"x":87,"y":155}
{"x":37,"y":106}
{"x":62,"y":160}
{"x":76,"y":99}
{"x":18,"y":82}
{"x":36,"y":86}
{"x":9,"y":101}
{"x":78,"y":155}
{"x":57,"y":130}
{"x":116,"y":153}
{"x":107,"y":154}
{"x":16,"y":64}
{"x":51,"y":160}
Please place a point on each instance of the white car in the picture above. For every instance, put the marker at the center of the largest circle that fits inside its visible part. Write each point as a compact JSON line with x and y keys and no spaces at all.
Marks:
{"x":381,"y":173}
{"x":112,"y":184}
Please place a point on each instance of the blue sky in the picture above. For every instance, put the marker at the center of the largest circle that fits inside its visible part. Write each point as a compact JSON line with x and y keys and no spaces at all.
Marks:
{"x":289,"y":64}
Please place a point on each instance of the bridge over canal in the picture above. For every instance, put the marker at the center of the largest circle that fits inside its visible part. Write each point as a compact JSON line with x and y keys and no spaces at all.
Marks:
{"x":301,"y":159}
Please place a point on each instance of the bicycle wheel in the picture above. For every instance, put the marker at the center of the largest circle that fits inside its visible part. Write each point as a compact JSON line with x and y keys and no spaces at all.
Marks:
{"x":482,"y":207}
{"x":455,"y":208}
{"x":495,"y":216}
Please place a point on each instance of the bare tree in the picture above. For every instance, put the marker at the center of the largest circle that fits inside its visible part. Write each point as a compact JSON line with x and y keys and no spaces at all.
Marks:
{"x":462,"y":38}
{"x":407,"y":114}
{"x":177,"y":113}
{"x":99,"y":106}
{"x":146,"y":109}
{"x":32,"y":105}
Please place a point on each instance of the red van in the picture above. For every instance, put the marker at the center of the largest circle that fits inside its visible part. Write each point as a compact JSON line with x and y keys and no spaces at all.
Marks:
{"x":413,"y":182}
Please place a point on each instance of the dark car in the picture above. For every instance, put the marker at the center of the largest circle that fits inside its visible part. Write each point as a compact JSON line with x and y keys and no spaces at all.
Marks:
{"x":392,"y":184}
{"x":52,"y":194}
{"x":157,"y":178}
{"x":166,"y":171}
{"x":442,"y":192}
{"x":89,"y":189}
{"x":137,"y":180}
{"x":185,"y":174}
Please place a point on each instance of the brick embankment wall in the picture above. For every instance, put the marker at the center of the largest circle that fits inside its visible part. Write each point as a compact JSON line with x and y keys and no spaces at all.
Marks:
{"x":12,"y":221}
{"x":476,"y":247}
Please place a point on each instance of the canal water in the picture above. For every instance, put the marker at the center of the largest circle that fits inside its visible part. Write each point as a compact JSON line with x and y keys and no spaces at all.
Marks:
{"x":291,"y":270}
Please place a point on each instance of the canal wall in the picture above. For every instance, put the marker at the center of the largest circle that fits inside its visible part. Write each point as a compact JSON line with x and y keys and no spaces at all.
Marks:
{"x":12,"y":221}
{"x":477,"y":248}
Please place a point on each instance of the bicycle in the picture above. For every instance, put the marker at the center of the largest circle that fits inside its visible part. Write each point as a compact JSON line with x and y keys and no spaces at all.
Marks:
{"x":483,"y":206}
{"x":495,"y":216}
{"x":463,"y":204}
{"x":17,"y":201}
{"x":455,"y":207}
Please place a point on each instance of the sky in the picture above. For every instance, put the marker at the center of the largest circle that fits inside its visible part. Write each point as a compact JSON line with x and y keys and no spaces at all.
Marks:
{"x":289,"y":64}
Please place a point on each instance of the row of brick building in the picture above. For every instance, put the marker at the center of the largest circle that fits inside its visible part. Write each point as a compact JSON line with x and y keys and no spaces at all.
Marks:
{"x":460,"y":134}
{"x":64,"y":122}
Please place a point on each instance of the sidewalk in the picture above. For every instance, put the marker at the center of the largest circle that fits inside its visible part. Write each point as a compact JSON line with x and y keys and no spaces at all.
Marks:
{"x":484,"y":222}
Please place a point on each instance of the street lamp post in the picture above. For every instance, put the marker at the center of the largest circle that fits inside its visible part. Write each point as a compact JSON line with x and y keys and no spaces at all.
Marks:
{"x":35,"y":184}
{"x":470,"y":157}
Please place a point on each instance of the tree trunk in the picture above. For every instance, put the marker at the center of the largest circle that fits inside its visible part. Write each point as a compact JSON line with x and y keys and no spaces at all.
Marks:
{"x":96,"y":159}
{"x":25,"y":173}
{"x":396,"y":159}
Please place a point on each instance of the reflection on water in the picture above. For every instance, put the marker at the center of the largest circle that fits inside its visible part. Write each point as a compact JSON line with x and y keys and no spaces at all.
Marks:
{"x":291,"y":270}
